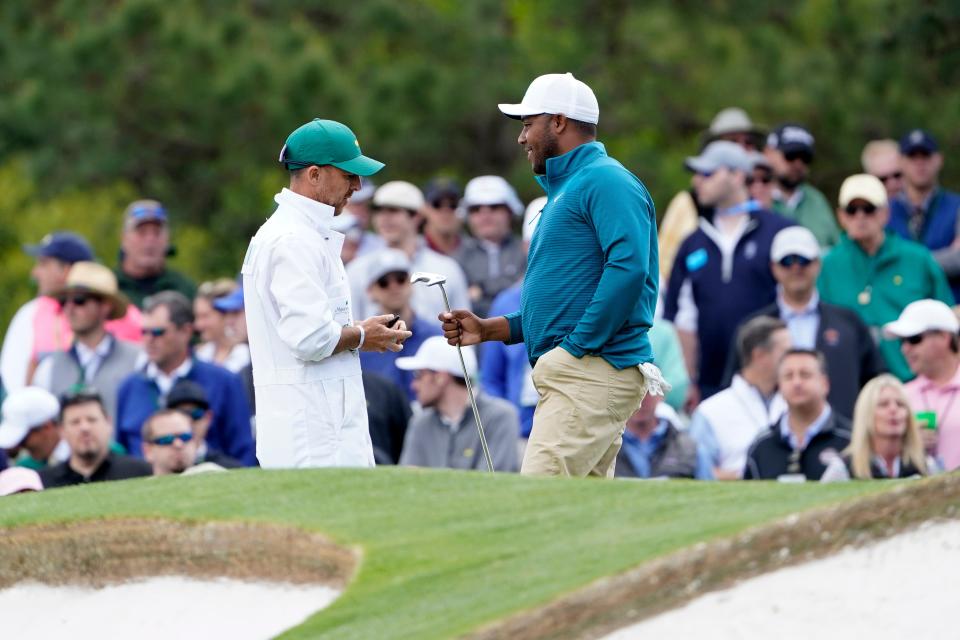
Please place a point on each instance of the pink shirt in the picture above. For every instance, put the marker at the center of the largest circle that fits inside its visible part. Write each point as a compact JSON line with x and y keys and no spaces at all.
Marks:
{"x":944,"y":400}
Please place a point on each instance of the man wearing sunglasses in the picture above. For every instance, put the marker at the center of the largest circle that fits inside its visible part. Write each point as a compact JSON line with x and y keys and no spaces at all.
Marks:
{"x":874,"y":272}
{"x":169,"y":444}
{"x":927,"y":331}
{"x":304,"y":334}
{"x":881,"y":158}
{"x":924,"y":211}
{"x":790,"y":150}
{"x":837,"y":332}
{"x":190,"y":399}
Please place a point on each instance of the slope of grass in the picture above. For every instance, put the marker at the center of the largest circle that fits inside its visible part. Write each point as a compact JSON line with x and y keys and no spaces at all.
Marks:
{"x":445,"y":552}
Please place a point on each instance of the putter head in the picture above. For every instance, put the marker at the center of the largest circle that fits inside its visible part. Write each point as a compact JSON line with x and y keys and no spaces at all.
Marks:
{"x":427,"y":278}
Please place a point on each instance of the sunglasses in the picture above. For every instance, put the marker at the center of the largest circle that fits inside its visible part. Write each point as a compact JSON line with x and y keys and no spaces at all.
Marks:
{"x":166,"y":441}
{"x":396,"y":277}
{"x":806,"y":156}
{"x":764,"y":180}
{"x":789,"y":261}
{"x":913,"y":340}
{"x":896,"y":175}
{"x":78,"y":300}
{"x":866,"y":209}
{"x":705,"y":174}
{"x":155,"y":332}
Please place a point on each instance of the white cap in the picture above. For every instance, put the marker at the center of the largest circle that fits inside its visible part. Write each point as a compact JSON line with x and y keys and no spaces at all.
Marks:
{"x":491,"y":190}
{"x":720,"y":153}
{"x":794,"y":241}
{"x":923,"y":315}
{"x":863,"y":186}
{"x":436,"y":355}
{"x":556,"y":94}
{"x":532,"y":217}
{"x":387,"y":261}
{"x":17,"y":479}
{"x":731,"y":120}
{"x":399,"y":194}
{"x":23,"y":410}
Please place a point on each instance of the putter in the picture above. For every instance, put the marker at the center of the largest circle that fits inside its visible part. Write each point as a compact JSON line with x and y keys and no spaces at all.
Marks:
{"x":431,"y":279}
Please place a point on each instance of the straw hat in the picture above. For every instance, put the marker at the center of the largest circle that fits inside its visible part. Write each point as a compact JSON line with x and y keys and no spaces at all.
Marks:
{"x":96,"y":279}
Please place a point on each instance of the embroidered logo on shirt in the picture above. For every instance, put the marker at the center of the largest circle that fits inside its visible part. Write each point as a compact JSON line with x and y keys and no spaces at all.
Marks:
{"x":898,"y":280}
{"x":697,"y":260}
{"x":831,"y":337}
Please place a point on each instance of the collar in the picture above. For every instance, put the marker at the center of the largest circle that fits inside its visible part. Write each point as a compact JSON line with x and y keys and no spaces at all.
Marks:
{"x":924,"y":206}
{"x":881,"y":464}
{"x":316,"y":215}
{"x":560,"y":167}
{"x":926,"y":384}
{"x":789,"y":313}
{"x":102,"y":350}
{"x":153,"y":371}
{"x":747,"y":206}
{"x":741,"y":387}
{"x":653,"y":439}
{"x":816,"y":427}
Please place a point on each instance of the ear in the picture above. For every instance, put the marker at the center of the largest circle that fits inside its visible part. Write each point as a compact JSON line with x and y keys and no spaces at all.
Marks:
{"x":558,"y":123}
{"x":314,"y":174}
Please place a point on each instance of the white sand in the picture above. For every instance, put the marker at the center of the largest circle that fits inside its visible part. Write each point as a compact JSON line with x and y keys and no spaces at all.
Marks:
{"x":162,"y":608}
{"x":904,"y":587}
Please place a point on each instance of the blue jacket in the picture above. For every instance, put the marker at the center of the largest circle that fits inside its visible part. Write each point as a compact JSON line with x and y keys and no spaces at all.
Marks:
{"x":230,"y":432}
{"x":592,"y":271}
{"x":939,"y":222}
{"x":506,"y":366}
{"x":385,"y":364}
{"x":724,"y":294}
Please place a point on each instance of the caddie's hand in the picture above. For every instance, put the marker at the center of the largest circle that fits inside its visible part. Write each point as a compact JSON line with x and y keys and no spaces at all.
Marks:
{"x":377,"y":337}
{"x":461,"y":327}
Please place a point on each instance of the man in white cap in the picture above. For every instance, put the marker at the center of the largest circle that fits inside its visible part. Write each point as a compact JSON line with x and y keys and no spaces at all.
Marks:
{"x":733,"y":124}
{"x":875,"y":272}
{"x":445,"y":433}
{"x":836,"y":332}
{"x":722,"y":271}
{"x":492,"y":257}
{"x":96,"y":358}
{"x":304,"y":340}
{"x":927,"y":330}
{"x":396,"y":217}
{"x":30,"y":426}
{"x":590,"y":289}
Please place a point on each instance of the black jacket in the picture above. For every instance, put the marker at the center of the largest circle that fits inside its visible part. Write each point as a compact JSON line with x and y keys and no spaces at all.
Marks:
{"x":114,"y":467}
{"x":769,"y":455}
{"x":846,"y":343}
{"x":388,"y":413}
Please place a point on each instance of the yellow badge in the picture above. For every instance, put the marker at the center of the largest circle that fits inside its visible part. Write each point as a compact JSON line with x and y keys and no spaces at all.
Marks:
{"x":898,"y":280}
{"x":468,"y":453}
{"x":864,"y":297}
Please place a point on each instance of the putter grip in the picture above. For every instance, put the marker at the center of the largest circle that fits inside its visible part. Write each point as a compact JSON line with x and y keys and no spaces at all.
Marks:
{"x":396,"y":318}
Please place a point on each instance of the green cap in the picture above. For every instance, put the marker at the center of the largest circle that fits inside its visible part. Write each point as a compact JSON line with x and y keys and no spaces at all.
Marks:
{"x":327,"y":142}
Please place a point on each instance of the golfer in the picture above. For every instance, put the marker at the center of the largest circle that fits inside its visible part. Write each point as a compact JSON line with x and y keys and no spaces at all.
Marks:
{"x":590,"y":290}
{"x":311,"y":410}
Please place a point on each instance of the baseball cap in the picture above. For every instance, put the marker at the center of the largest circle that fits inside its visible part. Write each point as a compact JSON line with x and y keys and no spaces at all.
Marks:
{"x":731,"y":120}
{"x":17,"y":479}
{"x":794,"y":241}
{"x":230,"y":303}
{"x":720,"y":153}
{"x":791,"y":138}
{"x":556,"y":94}
{"x":918,"y":140}
{"x":64,"y":246}
{"x":436,"y":355}
{"x":758,"y":159}
{"x":441,"y":187}
{"x":143,"y":211}
{"x":387,"y":261}
{"x":863,"y":186}
{"x":399,"y":194}
{"x":23,"y":410}
{"x":923,"y":315}
{"x":323,"y":142}
{"x":531,"y":218}
{"x":491,"y":190}
{"x":187,"y":392}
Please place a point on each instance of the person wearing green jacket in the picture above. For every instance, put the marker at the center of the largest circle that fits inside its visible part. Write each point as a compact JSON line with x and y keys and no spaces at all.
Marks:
{"x":876,"y":273}
{"x":790,"y":152}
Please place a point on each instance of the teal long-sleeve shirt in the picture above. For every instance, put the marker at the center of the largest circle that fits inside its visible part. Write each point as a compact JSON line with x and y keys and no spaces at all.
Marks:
{"x":592,"y":270}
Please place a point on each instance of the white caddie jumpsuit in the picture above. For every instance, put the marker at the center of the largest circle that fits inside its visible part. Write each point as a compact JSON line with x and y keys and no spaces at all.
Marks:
{"x":311,"y":410}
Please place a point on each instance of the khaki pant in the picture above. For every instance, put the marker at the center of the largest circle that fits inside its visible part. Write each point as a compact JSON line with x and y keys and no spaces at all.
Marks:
{"x":583,"y":409}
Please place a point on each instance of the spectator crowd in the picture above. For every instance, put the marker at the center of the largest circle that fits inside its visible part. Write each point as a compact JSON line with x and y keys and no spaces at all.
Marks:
{"x":807,"y":336}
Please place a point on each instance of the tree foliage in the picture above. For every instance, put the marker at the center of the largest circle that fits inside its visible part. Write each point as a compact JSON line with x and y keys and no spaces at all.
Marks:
{"x":189,"y":101}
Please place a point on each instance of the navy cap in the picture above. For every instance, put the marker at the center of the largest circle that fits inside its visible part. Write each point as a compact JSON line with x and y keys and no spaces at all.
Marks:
{"x":791,"y":137}
{"x":187,"y":392}
{"x":441,"y":187}
{"x":231,"y":302}
{"x":918,"y":140}
{"x":64,"y":246}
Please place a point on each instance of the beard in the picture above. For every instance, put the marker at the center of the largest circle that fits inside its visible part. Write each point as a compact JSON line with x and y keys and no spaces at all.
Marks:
{"x":549,"y":149}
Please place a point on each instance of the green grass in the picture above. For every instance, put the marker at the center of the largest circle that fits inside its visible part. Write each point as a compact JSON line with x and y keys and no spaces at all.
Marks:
{"x":445,"y":552}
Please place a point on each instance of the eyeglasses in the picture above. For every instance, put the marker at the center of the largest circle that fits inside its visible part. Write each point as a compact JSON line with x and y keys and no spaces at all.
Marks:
{"x":154,"y":332}
{"x":805,"y":156}
{"x":913,"y":340}
{"x":867,"y":209}
{"x":78,"y":300}
{"x":395,"y":277}
{"x":789,"y":261}
{"x":896,"y":175}
{"x":763,"y":179}
{"x":166,"y":441}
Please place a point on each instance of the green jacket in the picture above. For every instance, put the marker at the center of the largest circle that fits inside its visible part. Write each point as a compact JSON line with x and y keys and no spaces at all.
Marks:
{"x":814,"y":213}
{"x":878,"y":287}
{"x":137,"y":289}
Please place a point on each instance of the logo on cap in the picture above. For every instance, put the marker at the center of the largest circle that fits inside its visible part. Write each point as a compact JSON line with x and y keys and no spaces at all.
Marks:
{"x":916,"y":136}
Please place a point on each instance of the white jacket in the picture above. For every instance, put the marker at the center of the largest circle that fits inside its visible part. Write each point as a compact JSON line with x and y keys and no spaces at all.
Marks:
{"x":311,"y":410}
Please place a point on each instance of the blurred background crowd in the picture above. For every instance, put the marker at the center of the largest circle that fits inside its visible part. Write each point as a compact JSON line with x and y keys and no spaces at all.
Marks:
{"x":809,"y":251}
